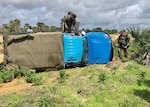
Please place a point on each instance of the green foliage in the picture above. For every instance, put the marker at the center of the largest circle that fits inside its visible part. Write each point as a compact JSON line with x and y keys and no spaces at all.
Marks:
{"x":142,"y":75}
{"x":125,"y":59}
{"x":129,"y":103}
{"x":1,"y":79}
{"x":102,"y":77}
{"x":132,"y":67}
{"x":141,"y":44}
{"x":62,"y":75}
{"x":44,"y":102}
{"x":141,"y":78}
{"x":7,"y":76}
{"x":113,"y":31}
{"x":50,"y":100}
{"x":54,"y":29}
{"x":14,"y":100}
{"x":83,"y":90}
{"x":115,"y":51}
{"x":1,"y":66}
{"x":19,"y":72}
{"x":32,"y":78}
{"x":98,"y":29}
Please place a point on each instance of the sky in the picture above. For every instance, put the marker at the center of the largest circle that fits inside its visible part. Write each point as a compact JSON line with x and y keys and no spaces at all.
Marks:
{"x":107,"y":14}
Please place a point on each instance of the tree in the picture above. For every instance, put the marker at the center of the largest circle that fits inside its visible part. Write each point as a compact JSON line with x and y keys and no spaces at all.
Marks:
{"x":17,"y":24}
{"x":40,"y":26}
{"x":4,"y":28}
{"x":26,"y":26}
{"x":98,"y":29}
{"x":141,"y":42}
{"x":53,"y":29}
{"x":113,"y":31}
{"x":11,"y":26}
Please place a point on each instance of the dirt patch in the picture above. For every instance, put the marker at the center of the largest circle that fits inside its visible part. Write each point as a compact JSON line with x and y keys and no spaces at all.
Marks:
{"x":14,"y":86}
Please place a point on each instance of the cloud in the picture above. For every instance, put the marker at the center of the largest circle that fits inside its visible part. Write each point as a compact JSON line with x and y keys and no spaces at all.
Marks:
{"x":113,"y":14}
{"x":22,"y":4}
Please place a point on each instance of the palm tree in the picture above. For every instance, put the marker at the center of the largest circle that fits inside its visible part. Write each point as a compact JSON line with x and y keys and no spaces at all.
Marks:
{"x":4,"y":28}
{"x":11,"y":26}
{"x":46,"y":28}
{"x":40,"y":26}
{"x":17,"y":25}
{"x":26,"y":26}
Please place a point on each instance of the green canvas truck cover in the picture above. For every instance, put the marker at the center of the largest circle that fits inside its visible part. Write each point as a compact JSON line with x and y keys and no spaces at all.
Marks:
{"x":35,"y":51}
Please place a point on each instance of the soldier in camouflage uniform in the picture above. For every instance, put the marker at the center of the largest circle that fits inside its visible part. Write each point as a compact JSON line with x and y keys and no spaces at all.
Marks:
{"x":69,"y":21}
{"x":123,"y":42}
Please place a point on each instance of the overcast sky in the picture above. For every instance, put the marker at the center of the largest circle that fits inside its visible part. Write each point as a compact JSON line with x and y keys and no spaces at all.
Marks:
{"x":111,"y":14}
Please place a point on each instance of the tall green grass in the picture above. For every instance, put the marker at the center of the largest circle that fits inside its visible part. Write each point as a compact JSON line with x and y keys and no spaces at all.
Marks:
{"x":91,"y":86}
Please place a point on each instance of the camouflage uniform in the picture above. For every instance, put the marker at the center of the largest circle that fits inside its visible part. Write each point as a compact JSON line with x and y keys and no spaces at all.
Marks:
{"x":69,"y":21}
{"x":123,"y":42}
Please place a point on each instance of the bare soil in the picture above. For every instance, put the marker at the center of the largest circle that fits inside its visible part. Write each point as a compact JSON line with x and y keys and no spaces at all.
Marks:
{"x":20,"y":84}
{"x":16,"y":84}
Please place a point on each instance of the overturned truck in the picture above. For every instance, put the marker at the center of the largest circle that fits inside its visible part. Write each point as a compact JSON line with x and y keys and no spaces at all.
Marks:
{"x":56,"y":50}
{"x":34,"y":51}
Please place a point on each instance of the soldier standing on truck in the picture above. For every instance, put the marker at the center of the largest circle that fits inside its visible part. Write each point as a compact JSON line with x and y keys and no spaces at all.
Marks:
{"x":123,"y":42}
{"x":69,"y":21}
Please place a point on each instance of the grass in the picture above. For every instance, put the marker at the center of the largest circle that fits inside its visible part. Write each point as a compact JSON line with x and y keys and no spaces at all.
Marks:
{"x":91,"y":86}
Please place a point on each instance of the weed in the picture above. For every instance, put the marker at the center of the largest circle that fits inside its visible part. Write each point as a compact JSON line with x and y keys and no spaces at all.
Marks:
{"x":102,"y":77}
{"x":48,"y":101}
{"x":32,"y":78}
{"x":129,"y":103}
{"x":142,"y":75}
{"x":1,"y":80}
{"x":62,"y":75}
{"x":44,"y":102}
{"x":14,"y":100}
{"x":132,"y":67}
{"x":125,"y":59}
{"x":115,"y":51}
{"x":114,"y":68}
{"x":7,"y":76}
{"x":1,"y":66}
{"x":141,"y":78}
{"x":53,"y":90}
{"x":18,"y":73}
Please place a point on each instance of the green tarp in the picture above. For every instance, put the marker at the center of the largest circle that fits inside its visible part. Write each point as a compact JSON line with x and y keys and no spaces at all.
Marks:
{"x":35,"y":51}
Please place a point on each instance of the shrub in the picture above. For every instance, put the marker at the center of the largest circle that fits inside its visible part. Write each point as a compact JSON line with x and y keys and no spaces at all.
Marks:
{"x":102,"y":77}
{"x":141,"y":44}
{"x":1,"y":80}
{"x":7,"y":76}
{"x":62,"y":75}
{"x":32,"y":78}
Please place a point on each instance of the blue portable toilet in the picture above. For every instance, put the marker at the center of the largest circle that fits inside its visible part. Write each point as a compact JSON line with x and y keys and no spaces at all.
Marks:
{"x":73,"y":48}
{"x":99,"y":48}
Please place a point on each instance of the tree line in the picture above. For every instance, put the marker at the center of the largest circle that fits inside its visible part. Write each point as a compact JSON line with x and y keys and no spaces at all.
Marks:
{"x":14,"y":26}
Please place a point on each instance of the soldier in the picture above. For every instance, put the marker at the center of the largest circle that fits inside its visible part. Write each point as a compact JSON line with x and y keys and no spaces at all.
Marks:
{"x":29,"y":30}
{"x":69,"y":21}
{"x":123,"y":42}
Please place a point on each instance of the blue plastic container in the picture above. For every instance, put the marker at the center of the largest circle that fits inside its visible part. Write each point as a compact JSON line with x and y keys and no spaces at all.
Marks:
{"x":73,"y":49}
{"x":99,"y":48}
